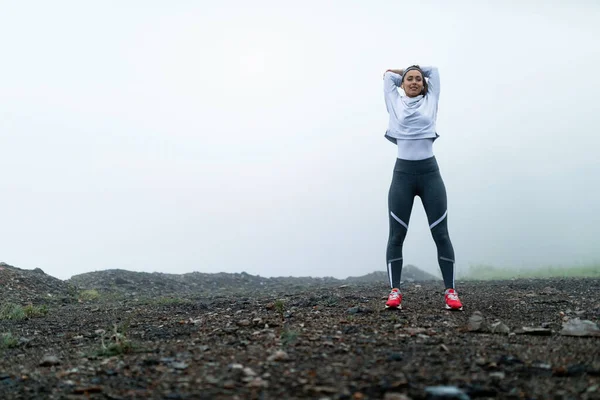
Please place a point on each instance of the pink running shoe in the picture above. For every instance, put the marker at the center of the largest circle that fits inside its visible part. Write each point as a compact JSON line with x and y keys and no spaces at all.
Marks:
{"x":452,"y":300}
{"x":394,"y":299}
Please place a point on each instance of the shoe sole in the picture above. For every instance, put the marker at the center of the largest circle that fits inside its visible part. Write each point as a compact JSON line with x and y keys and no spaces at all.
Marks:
{"x":453,"y":309}
{"x":393,"y":308}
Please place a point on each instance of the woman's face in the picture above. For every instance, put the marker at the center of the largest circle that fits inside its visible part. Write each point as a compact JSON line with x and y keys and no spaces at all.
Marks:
{"x":413,"y":83}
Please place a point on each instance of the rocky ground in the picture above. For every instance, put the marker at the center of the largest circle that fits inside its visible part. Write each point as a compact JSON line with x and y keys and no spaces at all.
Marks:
{"x":518,"y":339}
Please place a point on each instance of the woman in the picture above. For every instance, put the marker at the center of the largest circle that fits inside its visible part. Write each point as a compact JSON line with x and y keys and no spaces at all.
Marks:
{"x":416,"y":173}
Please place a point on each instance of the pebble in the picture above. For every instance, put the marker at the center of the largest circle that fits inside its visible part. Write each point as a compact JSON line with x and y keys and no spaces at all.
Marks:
{"x":179,"y":365}
{"x":499,"y":375}
{"x":499,"y":327}
{"x":279,"y":355}
{"x":229,"y":384}
{"x":476,"y":322}
{"x":526,"y":330}
{"x":49,"y":361}
{"x":578,"y":327}
{"x":258,"y":382}
{"x":446,"y":393}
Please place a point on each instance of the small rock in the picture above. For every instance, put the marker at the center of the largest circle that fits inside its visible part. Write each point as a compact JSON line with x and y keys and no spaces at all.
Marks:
{"x":323,"y":389}
{"x":229,"y":384}
{"x":279,"y":355}
{"x":249,"y":371}
{"x":498,"y":375}
{"x":499,"y":327}
{"x":395,"y":357}
{"x":445,"y":392}
{"x":258,"y":382}
{"x":476,"y":322}
{"x":526,"y":330}
{"x":49,"y":361}
{"x":179,"y":365}
{"x":542,"y":366}
{"x":416,"y":331}
{"x":24,"y":340}
{"x":578,"y":327}
{"x":549,"y":291}
{"x":244,"y":322}
{"x":357,"y":310}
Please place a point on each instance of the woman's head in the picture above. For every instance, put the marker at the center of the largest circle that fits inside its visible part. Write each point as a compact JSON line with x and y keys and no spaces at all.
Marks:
{"x":413,"y":81}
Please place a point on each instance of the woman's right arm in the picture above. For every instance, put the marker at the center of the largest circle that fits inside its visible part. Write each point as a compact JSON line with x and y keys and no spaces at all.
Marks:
{"x":392,"y":78}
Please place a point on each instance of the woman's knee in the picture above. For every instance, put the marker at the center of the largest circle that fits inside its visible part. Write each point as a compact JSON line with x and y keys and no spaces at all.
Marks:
{"x":440,"y":236}
{"x":397,"y":238}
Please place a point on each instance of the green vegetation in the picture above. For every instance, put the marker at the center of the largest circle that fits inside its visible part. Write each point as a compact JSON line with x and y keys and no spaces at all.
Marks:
{"x":288,"y":337}
{"x":118,"y":343}
{"x":16,"y":312}
{"x":8,"y":341}
{"x":279,"y":307}
{"x":32,"y":311}
{"x":488,"y":272}
{"x":89,"y":295}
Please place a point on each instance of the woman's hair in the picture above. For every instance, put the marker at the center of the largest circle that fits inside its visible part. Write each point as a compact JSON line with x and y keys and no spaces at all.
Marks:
{"x":417,"y":68}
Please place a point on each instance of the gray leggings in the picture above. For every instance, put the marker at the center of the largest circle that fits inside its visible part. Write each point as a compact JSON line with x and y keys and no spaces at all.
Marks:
{"x":418,"y":178}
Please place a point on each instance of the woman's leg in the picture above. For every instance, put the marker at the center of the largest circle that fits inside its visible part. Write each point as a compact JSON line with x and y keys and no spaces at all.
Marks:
{"x":400,"y":202}
{"x":433,"y":195}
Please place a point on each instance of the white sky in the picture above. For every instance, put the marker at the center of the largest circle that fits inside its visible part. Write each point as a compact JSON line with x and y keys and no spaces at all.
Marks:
{"x":248,"y":136}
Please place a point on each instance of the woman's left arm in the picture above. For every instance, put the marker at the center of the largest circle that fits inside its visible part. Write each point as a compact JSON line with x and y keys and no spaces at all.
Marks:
{"x":433,"y":76}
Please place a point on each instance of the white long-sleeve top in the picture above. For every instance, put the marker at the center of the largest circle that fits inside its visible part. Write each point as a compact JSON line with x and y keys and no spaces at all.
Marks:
{"x":411,"y":117}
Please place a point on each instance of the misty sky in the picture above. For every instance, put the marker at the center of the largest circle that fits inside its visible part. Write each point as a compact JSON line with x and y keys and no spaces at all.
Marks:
{"x":248,"y":136}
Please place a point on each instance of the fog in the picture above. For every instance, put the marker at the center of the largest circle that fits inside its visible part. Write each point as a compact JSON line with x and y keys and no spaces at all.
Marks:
{"x":248,"y":136}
